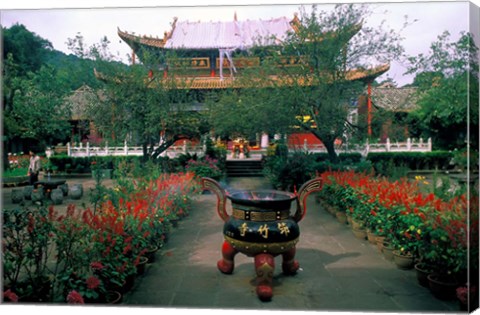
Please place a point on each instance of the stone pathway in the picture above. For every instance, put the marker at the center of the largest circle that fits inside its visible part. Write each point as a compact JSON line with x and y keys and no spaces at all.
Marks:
{"x":338,"y":271}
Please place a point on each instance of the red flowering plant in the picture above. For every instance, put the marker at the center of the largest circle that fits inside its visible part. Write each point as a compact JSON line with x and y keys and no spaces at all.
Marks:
{"x":73,"y":245}
{"x":10,"y":296}
{"x":446,"y":243}
{"x":111,"y":246}
{"x":468,"y":295}
{"x":74,"y":297}
{"x":340,"y":191}
{"x":206,"y":167}
{"x":89,"y":287}
{"x":26,"y":252}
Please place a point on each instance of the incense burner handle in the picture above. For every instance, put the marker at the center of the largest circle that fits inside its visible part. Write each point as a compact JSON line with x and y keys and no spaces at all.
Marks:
{"x":214,"y":186}
{"x":307,"y":188}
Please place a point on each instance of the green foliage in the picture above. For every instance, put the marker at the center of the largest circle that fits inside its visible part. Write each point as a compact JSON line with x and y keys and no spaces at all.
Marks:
{"x":447,"y":78}
{"x":28,"y":50}
{"x":290,"y":171}
{"x":15,"y":172}
{"x":331,"y":44}
{"x":385,"y":162}
{"x":205,"y":167}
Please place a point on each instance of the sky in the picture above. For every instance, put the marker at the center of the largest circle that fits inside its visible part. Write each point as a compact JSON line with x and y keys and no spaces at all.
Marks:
{"x":57,"y":21}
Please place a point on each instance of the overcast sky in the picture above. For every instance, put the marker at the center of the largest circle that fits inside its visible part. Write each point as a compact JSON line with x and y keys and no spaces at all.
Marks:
{"x":57,"y":21}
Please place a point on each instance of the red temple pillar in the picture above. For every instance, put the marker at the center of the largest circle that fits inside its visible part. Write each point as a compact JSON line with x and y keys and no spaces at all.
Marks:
{"x":369,"y":109}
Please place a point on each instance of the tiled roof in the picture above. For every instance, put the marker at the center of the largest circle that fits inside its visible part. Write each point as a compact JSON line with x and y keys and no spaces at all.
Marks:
{"x":395,"y":99}
{"x":216,"y":35}
{"x":131,"y":39}
{"x":207,"y":83}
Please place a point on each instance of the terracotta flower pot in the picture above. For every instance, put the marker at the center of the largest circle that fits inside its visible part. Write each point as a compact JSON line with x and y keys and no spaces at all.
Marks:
{"x":341,"y":217}
{"x":360,"y":233}
{"x":357,"y":224}
{"x":141,"y":265}
{"x":150,"y":254}
{"x":387,"y":251}
{"x":372,"y":238}
{"x":422,"y":272}
{"x":443,"y":287}
{"x":379,"y":241}
{"x":113,"y":297}
{"x":403,"y":260}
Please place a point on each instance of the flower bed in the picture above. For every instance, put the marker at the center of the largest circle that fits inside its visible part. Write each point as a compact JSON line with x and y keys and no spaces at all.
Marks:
{"x":438,"y":231}
{"x":81,"y":255}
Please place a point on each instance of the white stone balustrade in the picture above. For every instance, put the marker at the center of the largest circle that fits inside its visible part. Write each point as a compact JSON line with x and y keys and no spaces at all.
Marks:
{"x":411,"y":145}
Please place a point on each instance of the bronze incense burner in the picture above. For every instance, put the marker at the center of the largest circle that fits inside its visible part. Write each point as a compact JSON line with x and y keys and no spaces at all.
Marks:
{"x":262,"y":227}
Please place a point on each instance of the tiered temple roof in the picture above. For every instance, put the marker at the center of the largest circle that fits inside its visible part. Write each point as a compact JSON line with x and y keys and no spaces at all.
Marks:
{"x":217,"y":35}
{"x":207,"y":42}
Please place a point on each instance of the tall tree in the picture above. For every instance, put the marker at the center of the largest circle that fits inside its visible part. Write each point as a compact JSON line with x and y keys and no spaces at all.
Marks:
{"x":27,"y":49}
{"x":135,"y":106}
{"x":447,"y":78}
{"x":32,"y":95}
{"x":153,"y":112}
{"x":330,"y":49}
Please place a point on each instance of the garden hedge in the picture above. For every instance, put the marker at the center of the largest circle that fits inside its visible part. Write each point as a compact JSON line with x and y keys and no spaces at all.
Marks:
{"x":412,"y":160}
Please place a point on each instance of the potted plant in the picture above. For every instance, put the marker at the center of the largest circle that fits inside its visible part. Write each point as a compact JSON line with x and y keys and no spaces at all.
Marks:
{"x":89,"y":286}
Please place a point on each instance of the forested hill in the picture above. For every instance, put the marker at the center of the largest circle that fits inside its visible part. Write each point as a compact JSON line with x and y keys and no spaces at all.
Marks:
{"x":29,"y":52}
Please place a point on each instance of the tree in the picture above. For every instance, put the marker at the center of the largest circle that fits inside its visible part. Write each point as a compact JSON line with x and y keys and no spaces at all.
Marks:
{"x":27,"y":49}
{"x":447,"y":80}
{"x":32,"y":94}
{"x":246,"y":113}
{"x":131,"y":104}
{"x":330,"y":49}
{"x":152,"y":112}
{"x":38,"y":110}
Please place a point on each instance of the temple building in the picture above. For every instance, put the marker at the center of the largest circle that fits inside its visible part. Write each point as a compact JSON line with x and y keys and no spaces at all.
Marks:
{"x":207,"y":56}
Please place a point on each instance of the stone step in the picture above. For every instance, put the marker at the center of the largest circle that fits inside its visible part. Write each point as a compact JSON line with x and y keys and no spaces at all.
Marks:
{"x":247,"y":168}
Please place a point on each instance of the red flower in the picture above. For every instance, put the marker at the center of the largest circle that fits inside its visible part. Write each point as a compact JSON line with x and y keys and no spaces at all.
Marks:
{"x":96,"y":265}
{"x":10,"y":296}
{"x":75,"y":298}
{"x":31,"y":223}
{"x":92,"y":282}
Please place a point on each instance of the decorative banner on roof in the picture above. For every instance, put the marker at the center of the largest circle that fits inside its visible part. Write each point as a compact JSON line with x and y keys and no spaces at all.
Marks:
{"x":228,"y":35}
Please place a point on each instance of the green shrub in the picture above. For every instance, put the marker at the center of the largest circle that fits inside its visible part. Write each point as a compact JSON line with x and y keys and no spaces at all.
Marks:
{"x":286,"y":173}
{"x":385,"y":162}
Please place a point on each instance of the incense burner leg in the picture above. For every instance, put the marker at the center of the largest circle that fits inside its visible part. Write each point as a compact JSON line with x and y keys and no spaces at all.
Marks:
{"x":289,"y":264}
{"x":264,"y":267}
{"x":227,"y":264}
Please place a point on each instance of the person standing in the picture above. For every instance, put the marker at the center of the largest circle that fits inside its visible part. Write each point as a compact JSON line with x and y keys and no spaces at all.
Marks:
{"x":34,"y":167}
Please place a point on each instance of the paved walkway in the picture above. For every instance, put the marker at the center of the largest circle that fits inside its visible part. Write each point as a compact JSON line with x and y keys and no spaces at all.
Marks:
{"x":338,"y":271}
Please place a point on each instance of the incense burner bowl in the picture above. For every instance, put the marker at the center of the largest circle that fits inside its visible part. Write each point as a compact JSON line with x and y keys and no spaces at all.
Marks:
{"x":261,"y":226}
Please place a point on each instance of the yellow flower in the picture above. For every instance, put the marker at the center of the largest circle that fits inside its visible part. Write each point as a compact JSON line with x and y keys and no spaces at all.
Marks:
{"x":419,"y":231}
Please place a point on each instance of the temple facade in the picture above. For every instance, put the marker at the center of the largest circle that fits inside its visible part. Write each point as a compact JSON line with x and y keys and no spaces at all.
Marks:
{"x":207,"y":56}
